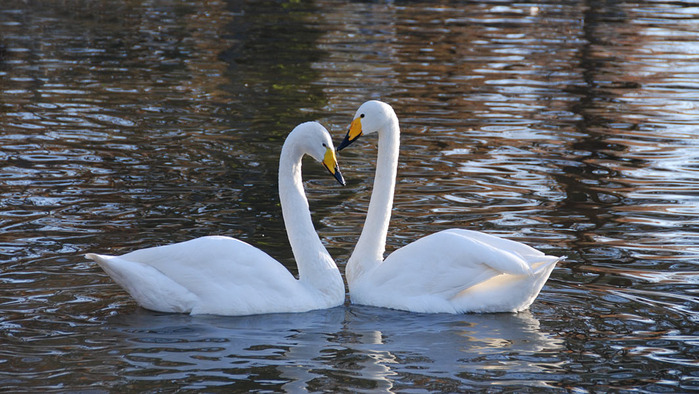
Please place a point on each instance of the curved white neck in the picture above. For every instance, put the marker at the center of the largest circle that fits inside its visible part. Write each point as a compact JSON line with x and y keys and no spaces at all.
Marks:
{"x":316,"y":267}
{"x":372,"y":242}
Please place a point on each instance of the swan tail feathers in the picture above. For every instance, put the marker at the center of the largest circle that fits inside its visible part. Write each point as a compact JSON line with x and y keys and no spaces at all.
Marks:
{"x":507,"y":293}
{"x":545,"y":266}
{"x":149,"y":287}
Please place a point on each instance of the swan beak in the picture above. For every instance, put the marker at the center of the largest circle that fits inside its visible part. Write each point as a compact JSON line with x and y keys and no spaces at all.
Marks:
{"x":354,"y":132}
{"x":330,"y":162}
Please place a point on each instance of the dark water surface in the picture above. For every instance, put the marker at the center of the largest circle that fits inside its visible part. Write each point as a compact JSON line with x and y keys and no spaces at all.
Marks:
{"x":570,"y":126}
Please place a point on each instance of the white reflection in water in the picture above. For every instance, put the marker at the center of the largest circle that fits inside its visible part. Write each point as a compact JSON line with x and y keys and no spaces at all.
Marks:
{"x":446,"y":346}
{"x":374,"y":345}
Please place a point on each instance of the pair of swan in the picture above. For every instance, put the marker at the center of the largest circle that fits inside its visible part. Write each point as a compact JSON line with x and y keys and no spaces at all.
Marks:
{"x":452,"y":271}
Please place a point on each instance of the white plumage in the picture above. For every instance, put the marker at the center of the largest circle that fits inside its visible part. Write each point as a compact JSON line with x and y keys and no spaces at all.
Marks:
{"x":451,"y":271}
{"x":225,"y":276}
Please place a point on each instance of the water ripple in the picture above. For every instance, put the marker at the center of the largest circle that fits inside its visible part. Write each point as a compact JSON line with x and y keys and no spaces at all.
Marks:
{"x":571,"y":127}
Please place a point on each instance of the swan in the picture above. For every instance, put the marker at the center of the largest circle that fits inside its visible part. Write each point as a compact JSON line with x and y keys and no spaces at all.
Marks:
{"x":225,"y":276}
{"x":451,"y":271}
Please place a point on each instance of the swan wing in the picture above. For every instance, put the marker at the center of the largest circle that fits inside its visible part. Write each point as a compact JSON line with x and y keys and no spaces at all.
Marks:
{"x":429,"y":274}
{"x":216,"y":274}
{"x":527,"y":259}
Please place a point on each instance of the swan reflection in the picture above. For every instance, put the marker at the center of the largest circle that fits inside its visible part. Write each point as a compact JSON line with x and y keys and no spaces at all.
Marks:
{"x":369,"y":348}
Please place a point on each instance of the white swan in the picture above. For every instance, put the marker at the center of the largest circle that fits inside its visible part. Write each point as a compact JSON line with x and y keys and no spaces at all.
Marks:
{"x":452,"y":271}
{"x":225,"y":276}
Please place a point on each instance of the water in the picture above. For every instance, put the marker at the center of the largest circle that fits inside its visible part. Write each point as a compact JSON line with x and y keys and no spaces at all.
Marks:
{"x":570,"y":126}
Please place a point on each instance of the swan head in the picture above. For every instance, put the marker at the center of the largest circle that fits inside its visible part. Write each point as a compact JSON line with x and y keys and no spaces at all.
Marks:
{"x":371,"y":117}
{"x":315,"y":141}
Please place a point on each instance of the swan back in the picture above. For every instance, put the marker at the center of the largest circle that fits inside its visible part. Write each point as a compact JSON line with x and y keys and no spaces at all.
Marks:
{"x":211,"y":275}
{"x":457,"y":271}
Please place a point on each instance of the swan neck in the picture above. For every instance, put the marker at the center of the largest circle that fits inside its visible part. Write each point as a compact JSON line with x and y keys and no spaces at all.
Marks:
{"x":315,"y":265}
{"x":372,"y":242}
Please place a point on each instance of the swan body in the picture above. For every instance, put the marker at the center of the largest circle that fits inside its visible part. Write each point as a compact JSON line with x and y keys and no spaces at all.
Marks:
{"x":452,"y":271}
{"x":225,"y":276}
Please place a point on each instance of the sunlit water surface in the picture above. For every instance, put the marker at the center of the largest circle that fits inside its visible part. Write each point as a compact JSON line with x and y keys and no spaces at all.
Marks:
{"x":570,"y":126}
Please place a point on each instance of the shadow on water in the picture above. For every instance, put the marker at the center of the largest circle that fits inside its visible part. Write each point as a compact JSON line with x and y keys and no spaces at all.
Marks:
{"x":587,"y":182}
{"x":269,"y":65}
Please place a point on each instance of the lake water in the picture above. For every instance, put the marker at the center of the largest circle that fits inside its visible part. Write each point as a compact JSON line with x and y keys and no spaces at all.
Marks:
{"x":572,"y":126}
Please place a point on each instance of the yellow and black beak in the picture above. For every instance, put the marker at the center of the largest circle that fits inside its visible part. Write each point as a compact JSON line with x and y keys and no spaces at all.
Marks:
{"x":354,"y":132}
{"x":330,"y":162}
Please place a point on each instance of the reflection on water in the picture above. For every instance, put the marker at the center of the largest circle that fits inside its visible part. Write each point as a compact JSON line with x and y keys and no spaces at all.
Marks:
{"x":367,"y":347}
{"x":570,"y":126}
